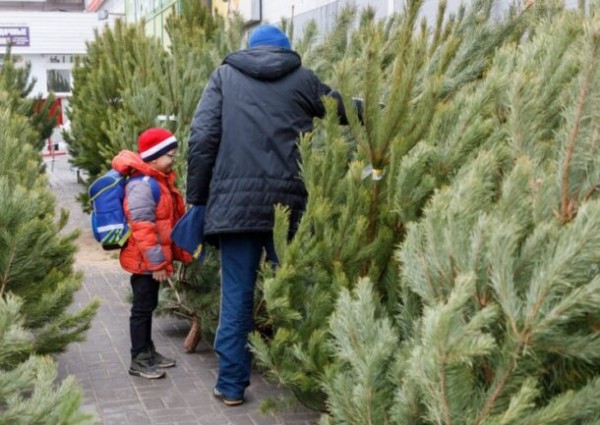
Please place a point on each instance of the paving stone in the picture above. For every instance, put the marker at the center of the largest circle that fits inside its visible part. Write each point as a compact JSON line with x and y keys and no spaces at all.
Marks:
{"x":174,"y":412}
{"x":153,"y":404}
{"x":138,"y":418}
{"x":116,"y":394}
{"x":215,"y":420}
{"x":266,"y":420}
{"x":116,"y":419}
{"x":174,"y":401}
{"x":243,"y":420}
{"x":172,"y":419}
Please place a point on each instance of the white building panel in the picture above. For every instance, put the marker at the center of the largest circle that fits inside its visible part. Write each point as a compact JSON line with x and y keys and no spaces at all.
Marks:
{"x":324,"y":12}
{"x":274,"y":10}
{"x":251,"y":11}
{"x":52,"y":32}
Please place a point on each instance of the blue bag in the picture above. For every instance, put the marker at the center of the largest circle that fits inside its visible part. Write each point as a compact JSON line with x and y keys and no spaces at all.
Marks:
{"x":106,"y":194}
{"x":188,"y":233}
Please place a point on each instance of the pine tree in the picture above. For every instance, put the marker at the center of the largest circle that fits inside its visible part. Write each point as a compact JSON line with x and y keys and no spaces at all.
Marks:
{"x":37,"y":281}
{"x":15,"y":80}
{"x":128,"y":82}
{"x":36,"y":260}
{"x":119,"y":71}
{"x":367,"y":186}
{"x":507,"y":280}
{"x":29,"y":393}
{"x":498,"y":278}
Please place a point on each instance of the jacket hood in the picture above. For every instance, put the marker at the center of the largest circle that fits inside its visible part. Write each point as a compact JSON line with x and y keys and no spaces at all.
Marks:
{"x":129,"y":163}
{"x":264,"y":62}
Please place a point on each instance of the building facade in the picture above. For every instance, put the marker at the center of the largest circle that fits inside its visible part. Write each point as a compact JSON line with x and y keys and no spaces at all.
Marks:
{"x":48,"y":39}
{"x":154,"y":13}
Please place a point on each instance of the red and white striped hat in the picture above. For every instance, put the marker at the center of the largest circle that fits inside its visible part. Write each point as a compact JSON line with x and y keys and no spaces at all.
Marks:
{"x":155,"y":142}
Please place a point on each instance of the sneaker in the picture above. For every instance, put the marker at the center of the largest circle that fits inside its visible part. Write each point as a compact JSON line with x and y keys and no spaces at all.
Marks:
{"x":143,"y":365}
{"x":160,"y":360}
{"x":226,"y":400}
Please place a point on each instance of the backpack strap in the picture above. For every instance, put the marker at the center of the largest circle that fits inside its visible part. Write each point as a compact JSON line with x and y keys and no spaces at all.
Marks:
{"x":153,"y":185}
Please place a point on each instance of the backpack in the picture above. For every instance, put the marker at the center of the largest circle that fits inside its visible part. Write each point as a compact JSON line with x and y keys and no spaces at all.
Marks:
{"x":106,"y":194}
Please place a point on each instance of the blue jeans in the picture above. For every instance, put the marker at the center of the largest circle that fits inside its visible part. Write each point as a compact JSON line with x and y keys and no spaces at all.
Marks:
{"x":240,"y":260}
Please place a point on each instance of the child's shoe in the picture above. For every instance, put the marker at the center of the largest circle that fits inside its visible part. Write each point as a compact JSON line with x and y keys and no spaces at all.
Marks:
{"x":160,"y":360}
{"x":143,"y":365}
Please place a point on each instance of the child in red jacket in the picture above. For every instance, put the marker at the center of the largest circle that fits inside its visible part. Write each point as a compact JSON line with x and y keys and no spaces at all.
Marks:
{"x":149,"y":252}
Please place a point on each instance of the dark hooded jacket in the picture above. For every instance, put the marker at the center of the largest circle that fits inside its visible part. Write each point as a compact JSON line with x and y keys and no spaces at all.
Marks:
{"x":243,"y":157}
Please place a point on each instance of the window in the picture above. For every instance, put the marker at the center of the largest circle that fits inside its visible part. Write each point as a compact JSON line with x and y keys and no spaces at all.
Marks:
{"x":59,"y":80}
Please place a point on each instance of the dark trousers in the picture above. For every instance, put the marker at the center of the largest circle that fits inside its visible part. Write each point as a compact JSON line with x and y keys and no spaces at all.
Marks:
{"x":240,"y":259}
{"x":145,"y":300}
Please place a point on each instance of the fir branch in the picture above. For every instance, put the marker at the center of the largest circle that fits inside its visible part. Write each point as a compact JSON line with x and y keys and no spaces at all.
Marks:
{"x":374,"y":211}
{"x":568,"y":208}
{"x":445,"y":401}
{"x":6,"y":277}
{"x":590,"y":192}
{"x":439,"y":25}
{"x":499,"y":388}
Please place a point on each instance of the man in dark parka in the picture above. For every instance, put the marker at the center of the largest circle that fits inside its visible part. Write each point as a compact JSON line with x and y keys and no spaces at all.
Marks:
{"x":243,"y":159}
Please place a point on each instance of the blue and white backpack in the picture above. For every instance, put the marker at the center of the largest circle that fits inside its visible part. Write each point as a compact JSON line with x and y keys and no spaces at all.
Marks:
{"x":106,"y":194}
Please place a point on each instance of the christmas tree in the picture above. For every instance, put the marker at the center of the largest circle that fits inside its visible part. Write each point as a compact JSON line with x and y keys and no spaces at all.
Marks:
{"x":16,"y":82}
{"x":117,"y":75}
{"x":365,"y":187}
{"x":29,"y":393}
{"x":128,"y":82}
{"x":499,"y":279}
{"x":37,"y":281}
{"x":36,"y":260}
{"x":487,"y":312}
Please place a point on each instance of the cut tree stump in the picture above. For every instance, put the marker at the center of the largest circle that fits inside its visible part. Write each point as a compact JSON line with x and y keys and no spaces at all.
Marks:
{"x":193,"y":337}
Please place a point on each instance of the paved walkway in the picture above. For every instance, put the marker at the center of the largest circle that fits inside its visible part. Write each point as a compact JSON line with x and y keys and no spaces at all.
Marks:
{"x":101,"y":362}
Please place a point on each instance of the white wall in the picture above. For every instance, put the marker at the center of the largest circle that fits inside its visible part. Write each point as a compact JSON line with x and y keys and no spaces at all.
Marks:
{"x":114,"y":6}
{"x":54,"y":32}
{"x":38,"y":72}
{"x":324,"y":12}
{"x":430,"y":8}
{"x":274,"y":10}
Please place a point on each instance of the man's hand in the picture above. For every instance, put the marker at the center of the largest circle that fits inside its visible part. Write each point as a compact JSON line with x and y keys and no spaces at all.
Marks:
{"x":160,"y":275}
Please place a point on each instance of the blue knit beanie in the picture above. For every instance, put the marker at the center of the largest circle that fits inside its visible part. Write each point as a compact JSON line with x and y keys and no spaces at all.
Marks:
{"x":268,"y":35}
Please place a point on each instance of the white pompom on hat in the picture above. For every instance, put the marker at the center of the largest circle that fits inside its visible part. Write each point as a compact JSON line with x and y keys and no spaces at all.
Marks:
{"x":155,"y":142}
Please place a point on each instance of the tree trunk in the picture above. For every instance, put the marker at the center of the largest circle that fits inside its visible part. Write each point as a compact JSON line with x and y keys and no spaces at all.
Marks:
{"x":193,"y":337}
